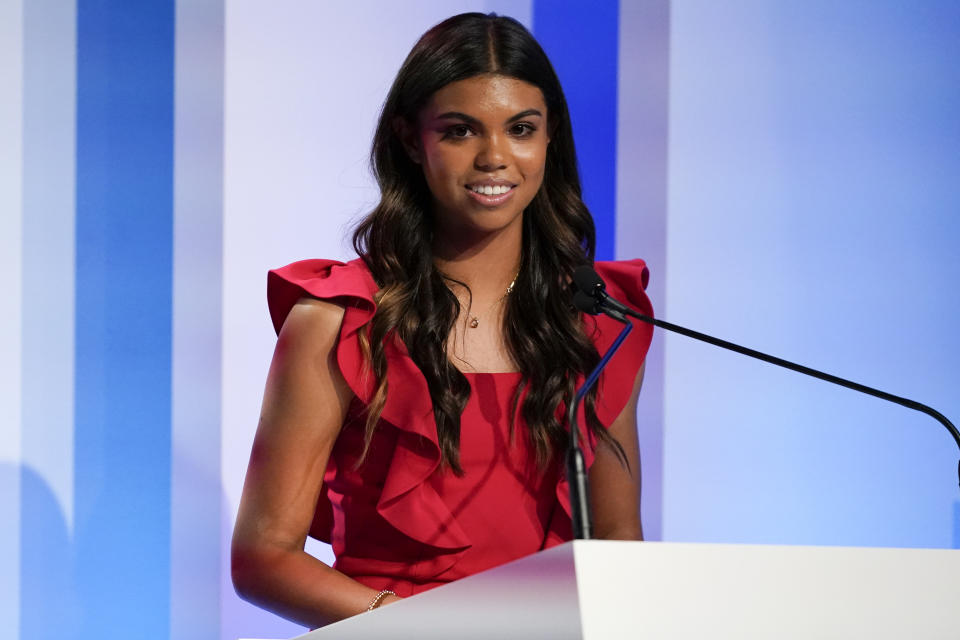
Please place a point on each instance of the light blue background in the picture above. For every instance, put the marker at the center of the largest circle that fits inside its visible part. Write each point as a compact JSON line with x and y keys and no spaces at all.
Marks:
{"x":813,"y":212}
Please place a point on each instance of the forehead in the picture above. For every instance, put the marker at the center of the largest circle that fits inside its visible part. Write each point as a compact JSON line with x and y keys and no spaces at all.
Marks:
{"x":487,"y":96}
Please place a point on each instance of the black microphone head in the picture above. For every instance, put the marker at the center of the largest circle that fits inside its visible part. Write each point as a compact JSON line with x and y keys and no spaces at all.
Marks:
{"x":587,"y":280}
{"x":586,"y":303}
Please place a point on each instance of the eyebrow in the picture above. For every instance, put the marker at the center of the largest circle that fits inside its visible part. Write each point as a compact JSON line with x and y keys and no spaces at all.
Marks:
{"x":457,"y":115}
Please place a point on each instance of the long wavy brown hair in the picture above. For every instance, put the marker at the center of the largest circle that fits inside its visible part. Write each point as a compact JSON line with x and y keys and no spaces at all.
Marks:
{"x":544,"y":334}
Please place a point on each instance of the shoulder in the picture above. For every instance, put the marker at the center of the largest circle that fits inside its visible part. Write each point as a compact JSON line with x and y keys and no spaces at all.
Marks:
{"x":306,"y":347}
{"x":321,"y":307}
{"x":312,"y":321}
{"x":315,"y":288}
{"x":305,"y":375}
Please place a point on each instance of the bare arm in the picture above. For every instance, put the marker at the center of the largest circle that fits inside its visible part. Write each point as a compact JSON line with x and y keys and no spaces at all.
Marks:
{"x":304,"y":406}
{"x":614,"y":489}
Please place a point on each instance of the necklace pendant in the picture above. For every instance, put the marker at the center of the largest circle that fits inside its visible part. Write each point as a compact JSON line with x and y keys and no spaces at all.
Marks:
{"x":474,"y":322}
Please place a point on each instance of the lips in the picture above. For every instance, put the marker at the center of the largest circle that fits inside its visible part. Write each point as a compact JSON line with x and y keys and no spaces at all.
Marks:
{"x":491,"y":194}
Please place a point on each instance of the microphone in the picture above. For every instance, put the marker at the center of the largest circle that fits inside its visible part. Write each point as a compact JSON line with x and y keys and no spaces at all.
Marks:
{"x":591,"y":297}
{"x":589,"y":283}
{"x":580,"y":511}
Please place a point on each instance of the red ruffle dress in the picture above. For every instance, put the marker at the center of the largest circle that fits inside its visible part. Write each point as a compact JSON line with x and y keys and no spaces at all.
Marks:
{"x":400,"y":521}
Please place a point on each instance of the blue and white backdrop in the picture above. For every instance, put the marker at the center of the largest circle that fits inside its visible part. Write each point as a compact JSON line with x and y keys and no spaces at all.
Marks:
{"x":790,"y":171}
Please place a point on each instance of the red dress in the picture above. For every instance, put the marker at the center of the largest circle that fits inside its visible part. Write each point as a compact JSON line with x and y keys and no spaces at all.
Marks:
{"x":399,"y":521}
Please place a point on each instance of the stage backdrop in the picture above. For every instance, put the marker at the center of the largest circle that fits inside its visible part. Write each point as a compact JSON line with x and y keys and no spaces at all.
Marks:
{"x":789,"y":171}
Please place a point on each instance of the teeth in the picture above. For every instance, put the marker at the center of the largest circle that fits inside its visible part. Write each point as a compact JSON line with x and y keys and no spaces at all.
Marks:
{"x":487,"y":190}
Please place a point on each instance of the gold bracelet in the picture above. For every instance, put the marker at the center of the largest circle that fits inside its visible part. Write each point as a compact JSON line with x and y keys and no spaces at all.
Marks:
{"x":377,"y":599}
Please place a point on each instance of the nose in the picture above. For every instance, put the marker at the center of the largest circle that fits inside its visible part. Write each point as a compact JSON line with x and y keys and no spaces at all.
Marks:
{"x":492,"y":154}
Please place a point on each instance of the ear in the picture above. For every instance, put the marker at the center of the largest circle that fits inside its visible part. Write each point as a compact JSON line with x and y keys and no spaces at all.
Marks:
{"x":407,"y":134}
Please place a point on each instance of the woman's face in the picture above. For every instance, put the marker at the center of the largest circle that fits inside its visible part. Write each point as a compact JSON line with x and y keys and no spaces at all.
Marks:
{"x":482,"y":143}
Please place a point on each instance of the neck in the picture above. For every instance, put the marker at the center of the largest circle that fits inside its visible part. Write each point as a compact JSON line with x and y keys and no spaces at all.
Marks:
{"x":487,"y":265}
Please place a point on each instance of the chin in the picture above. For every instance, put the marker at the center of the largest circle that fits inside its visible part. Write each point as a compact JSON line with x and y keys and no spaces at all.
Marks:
{"x":467,"y":215}
{"x":494,"y":220}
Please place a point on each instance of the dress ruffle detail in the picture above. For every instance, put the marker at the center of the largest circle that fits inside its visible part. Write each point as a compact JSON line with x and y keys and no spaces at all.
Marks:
{"x":407,"y":501}
{"x":626,"y":281}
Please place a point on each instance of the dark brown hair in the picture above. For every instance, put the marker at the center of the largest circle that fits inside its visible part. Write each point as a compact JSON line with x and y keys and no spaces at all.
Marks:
{"x":543,"y":333}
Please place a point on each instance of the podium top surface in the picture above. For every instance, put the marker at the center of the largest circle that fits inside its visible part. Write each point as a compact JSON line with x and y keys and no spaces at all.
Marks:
{"x":606,"y":589}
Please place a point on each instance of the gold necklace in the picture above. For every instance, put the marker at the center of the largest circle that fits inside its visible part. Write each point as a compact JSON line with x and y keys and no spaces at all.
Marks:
{"x":475,"y":320}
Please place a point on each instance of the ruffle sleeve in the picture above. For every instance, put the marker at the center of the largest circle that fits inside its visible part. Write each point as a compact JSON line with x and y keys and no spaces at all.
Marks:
{"x":407,"y":501}
{"x":348,"y":284}
{"x":626,"y":281}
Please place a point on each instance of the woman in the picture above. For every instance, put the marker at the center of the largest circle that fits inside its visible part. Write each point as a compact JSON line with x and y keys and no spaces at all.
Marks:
{"x":411,"y":414}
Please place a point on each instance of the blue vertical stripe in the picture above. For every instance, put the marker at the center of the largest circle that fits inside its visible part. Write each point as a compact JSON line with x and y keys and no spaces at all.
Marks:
{"x":124,"y":218}
{"x":582,"y":42}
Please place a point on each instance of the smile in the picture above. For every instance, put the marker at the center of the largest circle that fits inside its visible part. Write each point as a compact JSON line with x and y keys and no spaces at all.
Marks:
{"x":490,"y":195}
{"x":487,"y":190}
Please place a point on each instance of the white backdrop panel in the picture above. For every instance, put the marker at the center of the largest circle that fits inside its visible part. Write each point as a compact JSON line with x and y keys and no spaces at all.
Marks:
{"x":11,"y":207}
{"x":304,"y":82}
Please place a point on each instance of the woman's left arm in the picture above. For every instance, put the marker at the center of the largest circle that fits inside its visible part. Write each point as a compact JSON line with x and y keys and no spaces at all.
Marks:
{"x":614,"y":488}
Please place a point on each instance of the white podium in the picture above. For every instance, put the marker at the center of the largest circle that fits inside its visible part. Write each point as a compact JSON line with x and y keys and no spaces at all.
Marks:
{"x":606,"y":590}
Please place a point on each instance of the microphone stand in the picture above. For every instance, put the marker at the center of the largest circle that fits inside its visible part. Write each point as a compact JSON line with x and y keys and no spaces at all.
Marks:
{"x":580,"y":511}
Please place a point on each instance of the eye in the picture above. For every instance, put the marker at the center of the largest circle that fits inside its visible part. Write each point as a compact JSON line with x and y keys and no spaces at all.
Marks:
{"x":522,"y":129}
{"x":457,"y":131}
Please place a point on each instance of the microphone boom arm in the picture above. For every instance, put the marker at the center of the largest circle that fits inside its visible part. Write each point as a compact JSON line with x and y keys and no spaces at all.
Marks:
{"x":793,"y":366}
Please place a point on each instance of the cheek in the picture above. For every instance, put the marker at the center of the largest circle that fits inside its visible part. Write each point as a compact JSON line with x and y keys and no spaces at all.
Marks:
{"x":532,"y":161}
{"x":440,"y":165}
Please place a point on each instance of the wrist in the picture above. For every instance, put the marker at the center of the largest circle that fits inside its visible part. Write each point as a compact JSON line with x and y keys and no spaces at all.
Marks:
{"x":381,"y":598}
